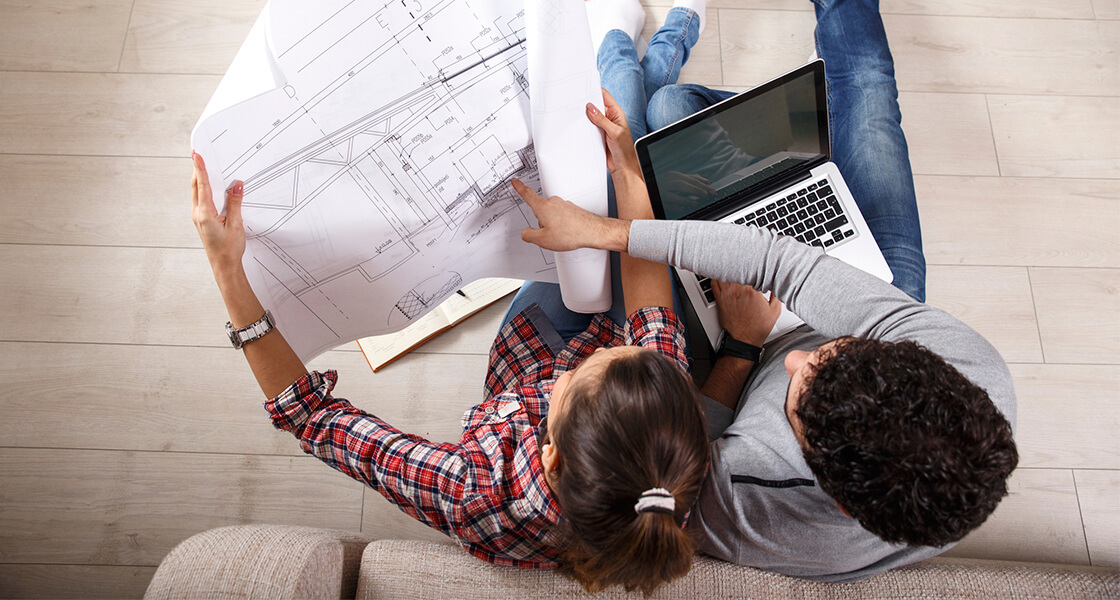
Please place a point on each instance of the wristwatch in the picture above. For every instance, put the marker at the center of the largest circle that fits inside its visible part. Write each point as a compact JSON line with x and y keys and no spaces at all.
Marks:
{"x":250,"y":333}
{"x":733,"y":347}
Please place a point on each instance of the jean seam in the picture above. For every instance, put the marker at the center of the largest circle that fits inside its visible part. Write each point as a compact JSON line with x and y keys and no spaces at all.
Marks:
{"x":677,"y":43}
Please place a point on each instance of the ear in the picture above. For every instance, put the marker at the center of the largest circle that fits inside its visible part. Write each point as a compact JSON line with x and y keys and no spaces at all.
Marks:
{"x":550,"y":459}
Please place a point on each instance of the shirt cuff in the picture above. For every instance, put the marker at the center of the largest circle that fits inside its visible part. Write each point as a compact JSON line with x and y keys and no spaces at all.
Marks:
{"x":290,"y":409}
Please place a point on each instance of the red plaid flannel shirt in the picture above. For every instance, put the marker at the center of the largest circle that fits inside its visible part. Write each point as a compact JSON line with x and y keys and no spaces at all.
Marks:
{"x":487,"y":492}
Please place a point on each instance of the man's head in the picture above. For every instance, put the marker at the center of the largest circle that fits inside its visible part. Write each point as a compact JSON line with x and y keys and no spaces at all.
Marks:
{"x":901,"y":440}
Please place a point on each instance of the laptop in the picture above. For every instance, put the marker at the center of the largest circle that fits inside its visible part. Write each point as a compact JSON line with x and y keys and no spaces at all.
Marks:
{"x":759,"y":158}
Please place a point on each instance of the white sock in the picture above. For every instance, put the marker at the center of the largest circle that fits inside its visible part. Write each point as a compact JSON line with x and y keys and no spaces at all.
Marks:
{"x":697,"y":6}
{"x":606,"y":15}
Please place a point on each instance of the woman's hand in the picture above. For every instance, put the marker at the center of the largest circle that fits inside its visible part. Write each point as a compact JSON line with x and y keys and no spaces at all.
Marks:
{"x":621,"y":157}
{"x":223,"y":237}
{"x":564,"y":226}
{"x":745,"y":313}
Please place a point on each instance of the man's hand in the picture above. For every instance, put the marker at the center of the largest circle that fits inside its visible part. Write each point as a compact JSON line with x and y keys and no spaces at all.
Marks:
{"x":746,"y":314}
{"x":223,"y":237}
{"x":565,"y":226}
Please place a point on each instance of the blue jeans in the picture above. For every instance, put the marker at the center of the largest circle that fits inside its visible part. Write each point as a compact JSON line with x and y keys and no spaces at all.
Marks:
{"x":630,"y":82}
{"x":868,"y":145}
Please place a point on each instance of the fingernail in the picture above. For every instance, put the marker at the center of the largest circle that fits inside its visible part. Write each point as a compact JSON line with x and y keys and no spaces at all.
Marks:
{"x":238,"y":188}
{"x":592,"y":109}
{"x":197,"y":159}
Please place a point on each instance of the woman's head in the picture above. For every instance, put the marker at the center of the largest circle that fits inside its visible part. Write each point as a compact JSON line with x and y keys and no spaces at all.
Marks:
{"x":626,"y":422}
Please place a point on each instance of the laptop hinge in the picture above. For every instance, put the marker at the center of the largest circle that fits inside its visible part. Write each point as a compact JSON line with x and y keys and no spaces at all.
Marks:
{"x":734,"y":203}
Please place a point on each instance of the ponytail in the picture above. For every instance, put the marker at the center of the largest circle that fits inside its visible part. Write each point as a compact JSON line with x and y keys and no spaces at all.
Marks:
{"x":635,"y":453}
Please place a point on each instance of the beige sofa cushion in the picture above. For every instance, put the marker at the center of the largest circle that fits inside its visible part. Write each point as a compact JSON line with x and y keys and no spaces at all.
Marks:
{"x":277,"y":562}
{"x":411,"y":569}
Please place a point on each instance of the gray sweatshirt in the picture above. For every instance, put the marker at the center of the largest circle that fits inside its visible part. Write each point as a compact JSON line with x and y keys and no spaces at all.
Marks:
{"x":760,"y":505}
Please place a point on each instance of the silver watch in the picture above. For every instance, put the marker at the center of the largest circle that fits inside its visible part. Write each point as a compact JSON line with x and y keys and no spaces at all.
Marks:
{"x":251,"y":333}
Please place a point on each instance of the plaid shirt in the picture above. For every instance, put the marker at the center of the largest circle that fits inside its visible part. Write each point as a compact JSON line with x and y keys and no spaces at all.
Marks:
{"x":487,"y":492}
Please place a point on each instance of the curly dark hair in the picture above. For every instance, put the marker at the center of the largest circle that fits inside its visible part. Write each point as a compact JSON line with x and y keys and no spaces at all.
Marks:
{"x":905,"y":443}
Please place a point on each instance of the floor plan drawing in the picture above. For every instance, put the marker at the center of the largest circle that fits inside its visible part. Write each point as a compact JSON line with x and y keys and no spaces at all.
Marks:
{"x":377,"y":174}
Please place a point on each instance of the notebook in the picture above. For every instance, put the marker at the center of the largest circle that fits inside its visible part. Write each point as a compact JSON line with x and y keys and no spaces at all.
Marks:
{"x":762,"y":158}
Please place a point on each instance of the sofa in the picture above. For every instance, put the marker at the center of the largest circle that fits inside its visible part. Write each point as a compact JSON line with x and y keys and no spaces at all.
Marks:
{"x":284,"y":562}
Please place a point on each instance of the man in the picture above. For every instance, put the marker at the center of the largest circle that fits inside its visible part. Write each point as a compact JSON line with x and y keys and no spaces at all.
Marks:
{"x":878,"y":434}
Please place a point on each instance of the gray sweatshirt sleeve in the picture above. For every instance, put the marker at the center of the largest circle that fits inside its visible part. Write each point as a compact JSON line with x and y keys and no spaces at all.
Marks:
{"x":831,"y":296}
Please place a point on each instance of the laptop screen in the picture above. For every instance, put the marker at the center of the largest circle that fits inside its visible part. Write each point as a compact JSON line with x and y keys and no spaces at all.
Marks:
{"x":735,"y":149}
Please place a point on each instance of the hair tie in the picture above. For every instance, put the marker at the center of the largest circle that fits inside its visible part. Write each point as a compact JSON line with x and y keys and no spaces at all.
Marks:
{"x":656,"y":500}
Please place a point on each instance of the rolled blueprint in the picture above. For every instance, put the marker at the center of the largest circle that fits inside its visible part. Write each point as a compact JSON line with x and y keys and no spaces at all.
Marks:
{"x":563,"y":78}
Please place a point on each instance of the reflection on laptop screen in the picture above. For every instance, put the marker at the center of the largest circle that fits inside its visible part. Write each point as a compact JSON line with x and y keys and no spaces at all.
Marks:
{"x":738,"y":148}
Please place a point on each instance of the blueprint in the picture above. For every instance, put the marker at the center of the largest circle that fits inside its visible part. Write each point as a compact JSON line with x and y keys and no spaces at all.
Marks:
{"x":376,"y":140}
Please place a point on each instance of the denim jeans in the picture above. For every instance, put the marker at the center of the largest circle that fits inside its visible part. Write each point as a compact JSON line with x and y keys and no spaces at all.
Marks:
{"x":630,"y":82}
{"x":865,"y":123}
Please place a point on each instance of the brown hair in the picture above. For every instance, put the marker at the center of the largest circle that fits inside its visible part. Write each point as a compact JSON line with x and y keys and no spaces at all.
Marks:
{"x":639,"y":426}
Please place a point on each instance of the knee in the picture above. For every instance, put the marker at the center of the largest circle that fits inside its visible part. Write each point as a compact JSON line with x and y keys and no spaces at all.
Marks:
{"x":669,"y":105}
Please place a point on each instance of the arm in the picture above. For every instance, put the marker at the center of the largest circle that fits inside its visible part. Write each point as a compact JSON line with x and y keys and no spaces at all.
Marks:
{"x":272,"y":360}
{"x":563,"y":226}
{"x":644,"y":283}
{"x":747,"y":316}
{"x":348,"y":440}
{"x":832,"y":297}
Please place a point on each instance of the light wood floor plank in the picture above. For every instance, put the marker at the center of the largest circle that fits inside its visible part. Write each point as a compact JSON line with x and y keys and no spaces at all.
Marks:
{"x":187,"y":36}
{"x":93,"y":200}
{"x":948,"y":134}
{"x":40,"y":35}
{"x":795,"y":5}
{"x":1014,"y":221}
{"x":1008,"y":56}
{"x":1042,"y":9}
{"x":1100,"y":509}
{"x":79,"y":582}
{"x":1038,"y":521}
{"x":1068,"y":415}
{"x":758,"y":45}
{"x":1060,"y":136}
{"x":130,"y":508}
{"x":100,"y":114}
{"x":1078,"y":314}
{"x":110,"y":295}
{"x":1039,"y":9}
{"x":995,"y":301}
{"x":1107,"y":9}
{"x":703,"y":64}
{"x":213,"y":405}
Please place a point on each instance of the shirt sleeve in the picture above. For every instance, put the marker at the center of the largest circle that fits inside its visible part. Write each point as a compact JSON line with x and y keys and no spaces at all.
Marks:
{"x":658,"y":328}
{"x":424,"y":479}
{"x":831,"y":296}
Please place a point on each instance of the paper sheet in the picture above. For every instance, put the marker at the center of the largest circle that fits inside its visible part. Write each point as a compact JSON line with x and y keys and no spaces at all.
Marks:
{"x":376,"y":142}
{"x":564,"y":78}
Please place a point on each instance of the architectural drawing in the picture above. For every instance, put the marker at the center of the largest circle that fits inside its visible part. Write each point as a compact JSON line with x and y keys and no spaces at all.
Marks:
{"x":377,"y":171}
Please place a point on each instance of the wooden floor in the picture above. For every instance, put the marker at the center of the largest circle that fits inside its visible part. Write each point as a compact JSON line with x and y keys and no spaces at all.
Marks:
{"x":129,"y":424}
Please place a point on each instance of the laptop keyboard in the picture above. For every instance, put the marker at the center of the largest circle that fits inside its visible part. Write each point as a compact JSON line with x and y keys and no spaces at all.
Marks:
{"x":812,"y":215}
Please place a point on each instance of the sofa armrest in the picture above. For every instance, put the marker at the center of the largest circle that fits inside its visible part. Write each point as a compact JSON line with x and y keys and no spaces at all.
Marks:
{"x":414,"y":569}
{"x":261,"y":561}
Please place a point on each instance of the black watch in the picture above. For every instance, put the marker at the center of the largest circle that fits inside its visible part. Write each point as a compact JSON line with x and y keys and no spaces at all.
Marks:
{"x":733,"y":347}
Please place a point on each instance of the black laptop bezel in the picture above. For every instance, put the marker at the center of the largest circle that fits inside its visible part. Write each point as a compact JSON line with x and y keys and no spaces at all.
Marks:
{"x":734,"y":202}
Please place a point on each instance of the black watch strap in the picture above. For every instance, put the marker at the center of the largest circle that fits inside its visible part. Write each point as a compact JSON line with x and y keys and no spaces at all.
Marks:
{"x":734,"y":347}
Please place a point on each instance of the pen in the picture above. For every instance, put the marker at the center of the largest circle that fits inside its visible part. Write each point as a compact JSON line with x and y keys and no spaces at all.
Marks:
{"x":460,"y":292}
